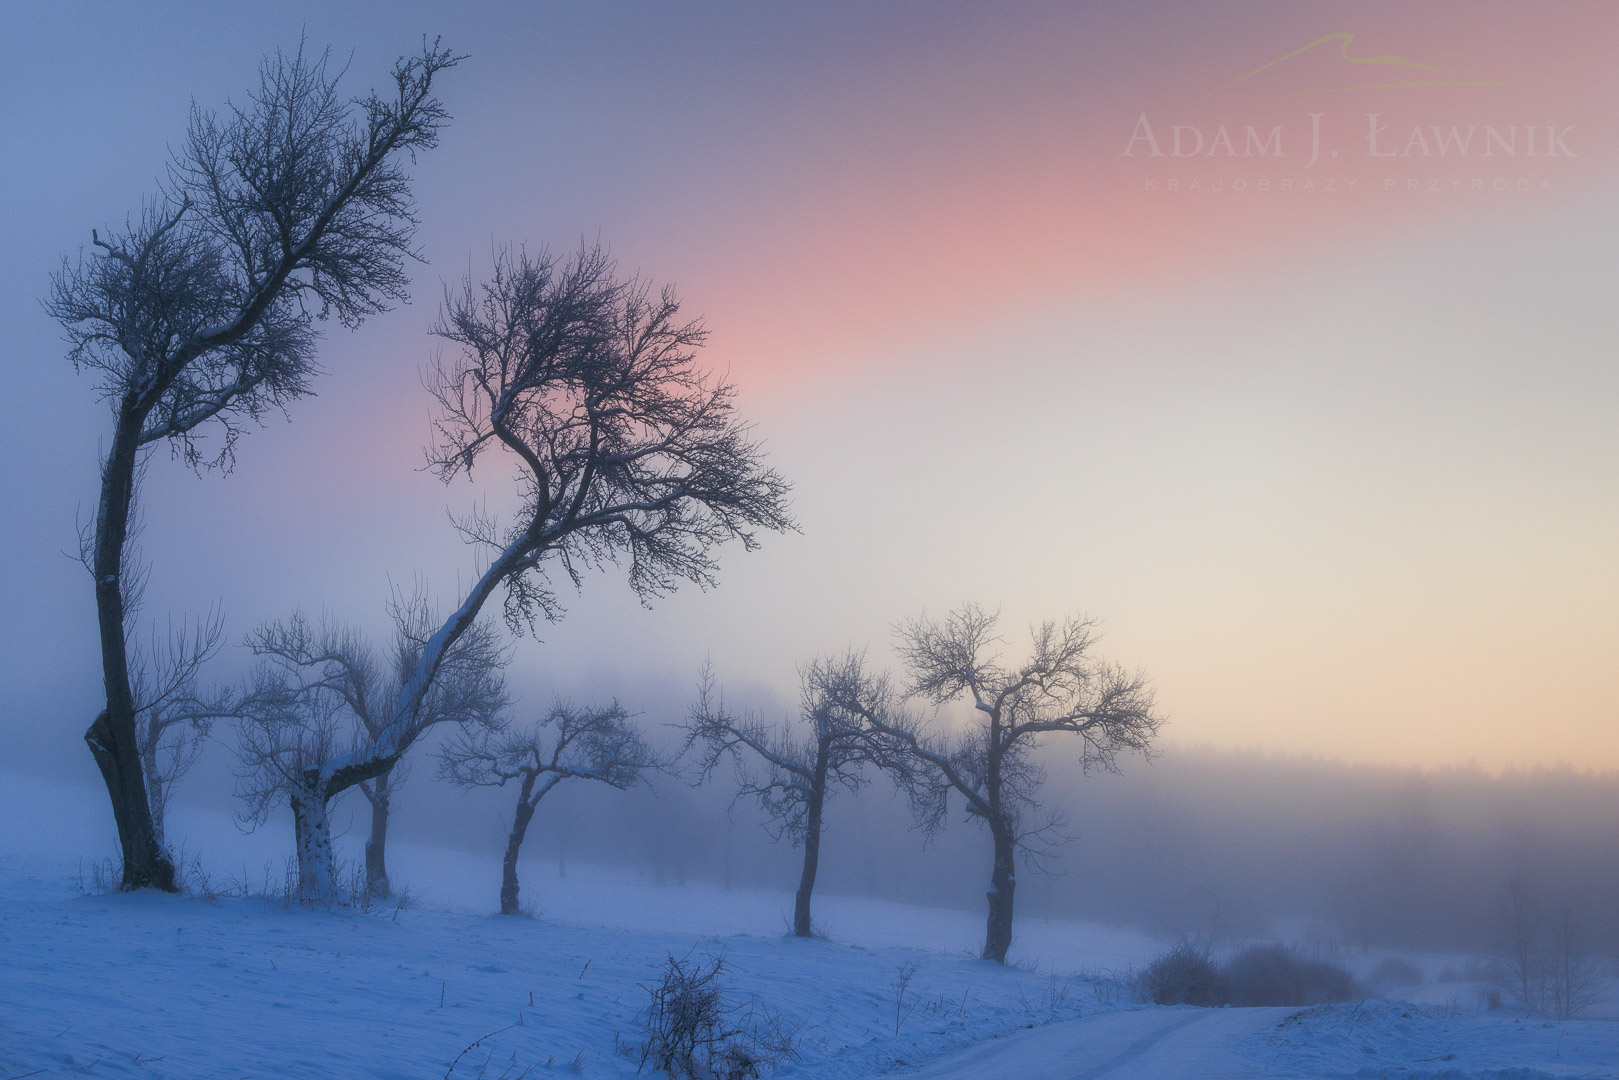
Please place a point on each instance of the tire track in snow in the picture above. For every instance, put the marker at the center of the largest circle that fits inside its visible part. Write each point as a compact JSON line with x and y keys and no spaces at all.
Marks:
{"x":1139,"y":1044}
{"x":1138,"y":1048}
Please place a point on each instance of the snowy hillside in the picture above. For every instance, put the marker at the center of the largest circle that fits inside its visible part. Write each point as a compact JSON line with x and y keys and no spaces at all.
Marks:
{"x":240,"y":986}
{"x":252,"y":988}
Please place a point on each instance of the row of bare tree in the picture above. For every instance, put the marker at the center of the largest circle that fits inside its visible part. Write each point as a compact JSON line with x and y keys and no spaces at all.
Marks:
{"x":318,"y":695}
{"x":851,"y":717}
{"x":202,"y":315}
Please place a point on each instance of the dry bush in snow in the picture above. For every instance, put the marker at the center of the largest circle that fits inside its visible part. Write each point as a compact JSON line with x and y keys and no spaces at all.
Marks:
{"x":695,"y":1031}
{"x":1185,"y":975}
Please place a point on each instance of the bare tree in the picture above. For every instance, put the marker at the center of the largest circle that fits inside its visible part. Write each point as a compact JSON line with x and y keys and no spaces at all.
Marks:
{"x":202,"y":314}
{"x":991,"y":764}
{"x":801,"y":764}
{"x":174,"y":714}
{"x":319,"y":720}
{"x":568,"y":743}
{"x":414,"y":622}
{"x":380,"y":792}
{"x":1542,"y":963}
{"x":626,"y":449}
{"x":1519,"y":963}
{"x":1574,"y":980}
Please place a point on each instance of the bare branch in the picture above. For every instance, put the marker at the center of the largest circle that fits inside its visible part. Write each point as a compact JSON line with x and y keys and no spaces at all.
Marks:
{"x":790,"y":769}
{"x":279,"y":213}
{"x":174,"y":715}
{"x":200,"y":315}
{"x":320,"y":713}
{"x":628,"y":451}
{"x":569,"y":742}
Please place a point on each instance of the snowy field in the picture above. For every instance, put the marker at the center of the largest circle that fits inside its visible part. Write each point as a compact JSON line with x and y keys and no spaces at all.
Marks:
{"x":241,"y":986}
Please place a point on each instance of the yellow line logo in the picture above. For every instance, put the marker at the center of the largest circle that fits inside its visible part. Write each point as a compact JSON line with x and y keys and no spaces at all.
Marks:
{"x":1345,"y":39}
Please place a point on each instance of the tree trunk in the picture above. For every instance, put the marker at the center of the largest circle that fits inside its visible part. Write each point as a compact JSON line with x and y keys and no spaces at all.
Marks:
{"x":313,"y":833}
{"x":812,"y":847}
{"x":111,"y":737}
{"x":376,"y":848}
{"x":1002,"y":884}
{"x":155,"y":801}
{"x":514,"y":842}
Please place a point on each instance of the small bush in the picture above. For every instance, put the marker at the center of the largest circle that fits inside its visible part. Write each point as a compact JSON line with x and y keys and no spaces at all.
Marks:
{"x":1259,"y":975}
{"x":1273,"y":975}
{"x":104,"y":876}
{"x":696,"y":1033}
{"x":1182,"y":976}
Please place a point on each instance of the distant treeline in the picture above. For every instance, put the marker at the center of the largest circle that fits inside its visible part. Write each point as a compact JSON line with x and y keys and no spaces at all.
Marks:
{"x":1219,"y":845}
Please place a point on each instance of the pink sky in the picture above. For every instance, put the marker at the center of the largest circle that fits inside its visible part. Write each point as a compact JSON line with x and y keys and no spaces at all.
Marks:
{"x":995,"y":177}
{"x":1336,"y":467}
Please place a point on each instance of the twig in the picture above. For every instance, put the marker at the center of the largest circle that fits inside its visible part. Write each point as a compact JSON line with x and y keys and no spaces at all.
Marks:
{"x":473,"y":1046}
{"x":906,"y":973}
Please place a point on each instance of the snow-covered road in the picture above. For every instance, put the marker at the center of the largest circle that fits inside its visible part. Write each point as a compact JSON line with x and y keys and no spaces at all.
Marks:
{"x":1146,"y":1044}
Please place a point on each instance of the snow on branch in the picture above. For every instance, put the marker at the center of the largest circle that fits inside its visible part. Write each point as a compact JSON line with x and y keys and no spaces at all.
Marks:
{"x":321,"y":711}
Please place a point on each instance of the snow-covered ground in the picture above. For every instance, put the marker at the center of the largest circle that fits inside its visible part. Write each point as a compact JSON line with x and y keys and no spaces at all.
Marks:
{"x":240,"y":986}
{"x":1364,"y":1040}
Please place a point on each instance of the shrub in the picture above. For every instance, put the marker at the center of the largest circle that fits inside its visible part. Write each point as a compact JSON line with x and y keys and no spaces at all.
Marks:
{"x":1273,"y":975}
{"x":1182,"y":976}
{"x":695,"y":1032}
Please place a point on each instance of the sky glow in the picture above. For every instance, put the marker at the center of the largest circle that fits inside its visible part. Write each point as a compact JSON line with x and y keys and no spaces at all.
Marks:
{"x":1328,"y":442}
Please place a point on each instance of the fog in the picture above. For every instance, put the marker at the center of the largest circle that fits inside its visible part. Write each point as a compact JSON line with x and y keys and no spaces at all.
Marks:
{"x":1210,"y":844}
{"x":1213,"y":844}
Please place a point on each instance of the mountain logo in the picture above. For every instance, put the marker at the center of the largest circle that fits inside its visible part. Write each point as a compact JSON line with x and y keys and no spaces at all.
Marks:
{"x":1368,"y":72}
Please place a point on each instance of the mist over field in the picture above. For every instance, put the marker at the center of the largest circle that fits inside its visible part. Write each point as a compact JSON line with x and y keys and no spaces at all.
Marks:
{"x":1213,"y":845}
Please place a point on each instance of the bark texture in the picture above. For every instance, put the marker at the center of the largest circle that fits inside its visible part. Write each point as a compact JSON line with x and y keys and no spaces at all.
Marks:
{"x":312,"y":832}
{"x":111,"y":738}
{"x":376,"y":845}
{"x":802,"y":926}
{"x":514,"y":844}
{"x":1002,"y":887}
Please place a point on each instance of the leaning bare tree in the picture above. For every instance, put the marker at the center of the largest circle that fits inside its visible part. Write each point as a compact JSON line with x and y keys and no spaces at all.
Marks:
{"x":568,"y":743}
{"x":414,"y":623}
{"x":202,"y":314}
{"x":319,"y":719}
{"x":626,"y":451}
{"x":801,"y":767}
{"x":991,"y":764}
